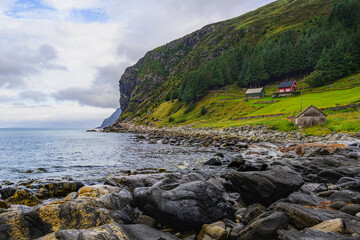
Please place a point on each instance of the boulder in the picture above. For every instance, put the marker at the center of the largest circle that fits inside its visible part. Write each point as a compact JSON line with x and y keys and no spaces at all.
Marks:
{"x":351,"y":209}
{"x":213,"y":162}
{"x":337,"y":205}
{"x":252,"y":212}
{"x":302,"y":216}
{"x":96,"y":191}
{"x":305,"y":199}
{"x":214,"y":231}
{"x":309,"y":234}
{"x":334,"y":225}
{"x":186,"y":205}
{"x":7,"y":192}
{"x":4,"y":205}
{"x":237,"y":161}
{"x":264,"y":187}
{"x":113,"y":231}
{"x":56,"y":189}
{"x":24,"y":197}
{"x":264,"y":226}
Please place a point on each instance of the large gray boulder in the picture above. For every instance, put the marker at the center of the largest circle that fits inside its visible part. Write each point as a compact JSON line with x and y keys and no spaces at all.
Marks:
{"x":264,"y":226}
{"x":265,"y":187}
{"x":186,"y":205}
{"x":310,"y":234}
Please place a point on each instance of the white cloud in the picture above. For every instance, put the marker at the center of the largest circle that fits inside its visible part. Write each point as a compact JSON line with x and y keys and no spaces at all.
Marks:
{"x":69,"y":55}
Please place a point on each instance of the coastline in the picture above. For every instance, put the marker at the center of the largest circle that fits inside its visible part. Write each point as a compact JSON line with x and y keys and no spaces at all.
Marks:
{"x":296,"y":188}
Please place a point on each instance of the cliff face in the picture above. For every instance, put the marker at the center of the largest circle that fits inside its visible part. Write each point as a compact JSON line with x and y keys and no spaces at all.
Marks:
{"x":110,"y":120}
{"x":159,"y":73}
{"x":139,"y":82}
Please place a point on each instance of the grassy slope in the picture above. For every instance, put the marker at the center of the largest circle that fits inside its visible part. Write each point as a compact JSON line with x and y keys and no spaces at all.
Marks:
{"x":227,"y":105}
{"x":259,"y":25}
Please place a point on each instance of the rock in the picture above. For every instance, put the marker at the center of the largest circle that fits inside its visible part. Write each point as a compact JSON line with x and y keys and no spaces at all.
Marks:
{"x":344,"y":196}
{"x":252,"y":212}
{"x":145,"y":232}
{"x":337,"y":205}
{"x":214,"y":231}
{"x":141,"y":180}
{"x":147,"y":220}
{"x":187,"y":206}
{"x":329,"y":175}
{"x":56,"y":189}
{"x":235,"y":231}
{"x":7,"y":192}
{"x":237,"y":161}
{"x":113,"y":231}
{"x":4,"y":205}
{"x":310,"y":234}
{"x":305,"y":199}
{"x":219,"y":155}
{"x":302,"y":217}
{"x":213,"y":162}
{"x":264,"y":226}
{"x":239,"y":214}
{"x":96,"y":191}
{"x":357,"y":215}
{"x":24,"y":197}
{"x":351,"y":209}
{"x":248,"y":167}
{"x":264,"y":187}
{"x":334,"y":225}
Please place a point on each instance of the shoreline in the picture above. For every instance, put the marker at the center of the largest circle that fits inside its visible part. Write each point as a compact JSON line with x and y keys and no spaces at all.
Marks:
{"x":248,"y":190}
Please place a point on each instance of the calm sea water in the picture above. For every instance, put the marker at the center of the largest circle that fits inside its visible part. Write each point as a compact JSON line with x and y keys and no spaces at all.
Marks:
{"x":84,"y":156}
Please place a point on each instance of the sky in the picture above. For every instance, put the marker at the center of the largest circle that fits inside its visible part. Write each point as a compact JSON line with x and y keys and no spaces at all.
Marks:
{"x":61,"y":60}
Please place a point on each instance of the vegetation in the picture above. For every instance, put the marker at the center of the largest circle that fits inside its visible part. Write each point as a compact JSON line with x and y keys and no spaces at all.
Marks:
{"x":199,"y":79}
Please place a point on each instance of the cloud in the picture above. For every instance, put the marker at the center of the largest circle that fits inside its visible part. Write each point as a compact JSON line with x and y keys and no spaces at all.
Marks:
{"x":35,"y":96}
{"x":103,"y":92}
{"x":18,"y":61}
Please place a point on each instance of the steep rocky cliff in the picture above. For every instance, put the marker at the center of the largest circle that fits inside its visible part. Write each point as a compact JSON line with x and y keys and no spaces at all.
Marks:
{"x":144,"y":86}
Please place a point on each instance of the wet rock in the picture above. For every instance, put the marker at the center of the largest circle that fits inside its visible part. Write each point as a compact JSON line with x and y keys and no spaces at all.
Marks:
{"x":308,"y":234}
{"x":147,"y":220}
{"x":96,"y":191}
{"x":248,"y":167}
{"x":265,"y":187}
{"x":305,"y":199}
{"x":4,"y":205}
{"x":56,"y":189}
{"x":145,"y":232}
{"x":24,"y":197}
{"x":351,"y":209}
{"x":302,"y":217}
{"x":113,"y":231}
{"x":337,"y":205}
{"x":7,"y":192}
{"x":237,"y":161}
{"x":235,"y":231}
{"x":264,"y":226}
{"x":252,"y":212}
{"x":219,"y":155}
{"x":334,"y":225}
{"x":188,"y":205}
{"x":344,"y":196}
{"x":214,"y":231}
{"x":141,"y":180}
{"x":213,"y":162}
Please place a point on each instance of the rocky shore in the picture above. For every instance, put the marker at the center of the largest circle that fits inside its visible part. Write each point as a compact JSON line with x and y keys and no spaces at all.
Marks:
{"x":249,"y":190}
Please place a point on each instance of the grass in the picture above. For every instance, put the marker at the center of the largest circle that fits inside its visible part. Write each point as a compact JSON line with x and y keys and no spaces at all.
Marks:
{"x":228,"y":108}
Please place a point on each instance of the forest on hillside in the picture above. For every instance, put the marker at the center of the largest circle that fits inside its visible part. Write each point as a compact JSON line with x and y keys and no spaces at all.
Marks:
{"x":327,"y":49}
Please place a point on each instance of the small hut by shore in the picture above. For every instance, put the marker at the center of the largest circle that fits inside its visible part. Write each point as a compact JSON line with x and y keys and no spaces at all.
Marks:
{"x":309,"y":117}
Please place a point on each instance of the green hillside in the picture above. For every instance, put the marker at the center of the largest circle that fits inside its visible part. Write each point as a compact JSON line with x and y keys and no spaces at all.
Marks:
{"x":227,"y":107}
{"x":200,"y":78}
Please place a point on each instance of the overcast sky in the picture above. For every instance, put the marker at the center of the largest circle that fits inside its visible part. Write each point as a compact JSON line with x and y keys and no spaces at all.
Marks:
{"x":61,"y":60}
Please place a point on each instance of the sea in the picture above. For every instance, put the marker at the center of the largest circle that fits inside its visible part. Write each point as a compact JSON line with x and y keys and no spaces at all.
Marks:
{"x":68,"y":154}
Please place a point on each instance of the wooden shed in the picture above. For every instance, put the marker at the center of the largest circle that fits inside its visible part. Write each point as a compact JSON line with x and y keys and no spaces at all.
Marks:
{"x":254,"y":93}
{"x":309,"y":117}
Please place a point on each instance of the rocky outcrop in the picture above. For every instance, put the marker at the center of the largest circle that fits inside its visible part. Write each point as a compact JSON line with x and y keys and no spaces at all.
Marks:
{"x":188,"y":205}
{"x":264,"y":187}
{"x":110,"y":120}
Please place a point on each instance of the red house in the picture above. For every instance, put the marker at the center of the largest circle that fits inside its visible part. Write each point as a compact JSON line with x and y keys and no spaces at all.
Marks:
{"x":287,"y":88}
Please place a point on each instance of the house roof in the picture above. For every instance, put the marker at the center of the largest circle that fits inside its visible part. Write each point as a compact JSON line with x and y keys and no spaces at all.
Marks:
{"x":254,"y":90}
{"x":308,"y":108}
{"x":286,"y":84}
